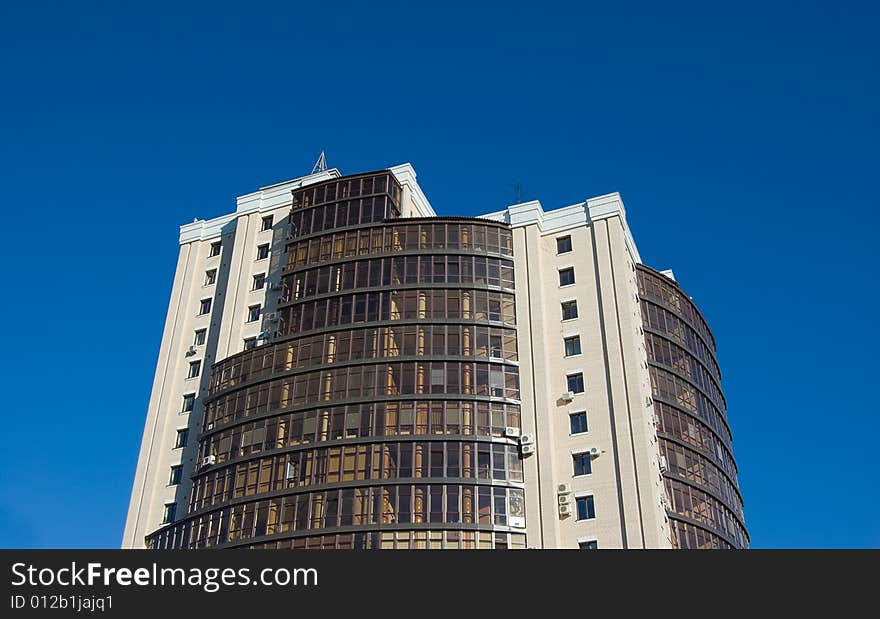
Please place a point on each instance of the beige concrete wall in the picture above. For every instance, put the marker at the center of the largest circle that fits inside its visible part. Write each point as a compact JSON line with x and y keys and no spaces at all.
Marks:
{"x":227,"y":327}
{"x":625,"y":480}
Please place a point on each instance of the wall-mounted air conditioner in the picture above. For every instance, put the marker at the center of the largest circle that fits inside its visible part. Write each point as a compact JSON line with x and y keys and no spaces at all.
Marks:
{"x":511,"y":432}
{"x":517,"y":522}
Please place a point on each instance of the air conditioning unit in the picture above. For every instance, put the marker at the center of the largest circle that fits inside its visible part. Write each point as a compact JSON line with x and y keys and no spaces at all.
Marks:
{"x":664,"y":464}
{"x":565,"y":510}
{"x":563,"y":498}
{"x":568,"y":396}
{"x":209,"y":460}
{"x":191,"y":351}
{"x":275,"y":286}
{"x":291,"y":471}
{"x":527,"y":439}
{"x":595,"y":452}
{"x":511,"y":432}
{"x":563,"y":489}
{"x":527,"y":449}
{"x":272,"y":316}
{"x":517,"y":522}
{"x":210,"y":426}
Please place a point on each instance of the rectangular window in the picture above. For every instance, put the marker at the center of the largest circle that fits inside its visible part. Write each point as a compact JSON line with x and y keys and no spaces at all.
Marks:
{"x":585,"y":508}
{"x":180,"y":440}
{"x":589,"y":545}
{"x":582,"y":464}
{"x":176,"y":472}
{"x":578,"y":422}
{"x":566,"y":276}
{"x":199,"y":339}
{"x":195,"y":367}
{"x":563,"y":245}
{"x":253,"y":313}
{"x":259,"y":281}
{"x":572,"y":345}
{"x":263,"y":252}
{"x":188,"y":401}
{"x":170,"y":511}
{"x":215,"y":249}
{"x":267,"y":223}
{"x":576,"y":382}
{"x":569,"y":310}
{"x":205,"y":307}
{"x":210,"y":277}
{"x":250,"y":342}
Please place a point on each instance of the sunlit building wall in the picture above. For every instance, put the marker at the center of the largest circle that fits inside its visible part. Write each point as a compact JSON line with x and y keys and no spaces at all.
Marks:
{"x":341,"y":368}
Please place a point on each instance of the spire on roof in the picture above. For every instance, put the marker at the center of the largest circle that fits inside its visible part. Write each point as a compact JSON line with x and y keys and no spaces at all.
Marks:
{"x":320,"y":164}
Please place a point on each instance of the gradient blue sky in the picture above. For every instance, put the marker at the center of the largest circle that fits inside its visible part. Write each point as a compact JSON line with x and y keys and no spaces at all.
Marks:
{"x":743,"y":140}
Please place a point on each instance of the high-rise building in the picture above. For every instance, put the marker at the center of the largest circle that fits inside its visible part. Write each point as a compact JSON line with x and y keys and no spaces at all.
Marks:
{"x":342,"y":368}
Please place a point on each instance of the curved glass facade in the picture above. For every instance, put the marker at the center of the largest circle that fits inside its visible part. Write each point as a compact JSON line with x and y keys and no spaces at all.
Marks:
{"x":376,"y":416}
{"x":706,"y":509}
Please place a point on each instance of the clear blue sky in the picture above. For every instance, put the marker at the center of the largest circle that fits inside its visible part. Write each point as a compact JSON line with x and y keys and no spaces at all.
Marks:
{"x":744,"y":141}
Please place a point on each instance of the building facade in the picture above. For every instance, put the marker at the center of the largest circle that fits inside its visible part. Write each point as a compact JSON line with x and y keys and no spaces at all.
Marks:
{"x":342,"y":368}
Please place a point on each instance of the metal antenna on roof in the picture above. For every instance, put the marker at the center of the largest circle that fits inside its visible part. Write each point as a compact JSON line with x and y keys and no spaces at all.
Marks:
{"x":320,"y":164}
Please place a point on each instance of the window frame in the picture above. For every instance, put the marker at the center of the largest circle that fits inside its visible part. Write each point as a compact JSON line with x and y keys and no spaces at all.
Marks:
{"x":218,"y":245}
{"x":572,"y":374}
{"x":267,"y":218}
{"x":581,"y":456}
{"x":260,"y":248}
{"x":202,"y":310}
{"x":590,"y":501}
{"x":183,"y":408}
{"x":578,"y":414}
{"x":571,"y":303}
{"x":566,"y":270}
{"x":576,"y":338}
{"x":250,"y":314}
{"x":181,"y":432}
{"x":170,"y":513}
{"x":566,"y":237}
{"x":197,"y":364}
